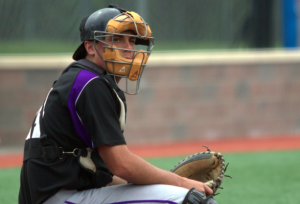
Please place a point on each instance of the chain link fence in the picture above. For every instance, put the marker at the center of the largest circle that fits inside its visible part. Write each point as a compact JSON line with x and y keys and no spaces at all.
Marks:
{"x":53,"y":26}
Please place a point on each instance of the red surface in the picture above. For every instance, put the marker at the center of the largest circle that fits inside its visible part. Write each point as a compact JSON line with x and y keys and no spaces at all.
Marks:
{"x":184,"y":148}
{"x":223,"y":146}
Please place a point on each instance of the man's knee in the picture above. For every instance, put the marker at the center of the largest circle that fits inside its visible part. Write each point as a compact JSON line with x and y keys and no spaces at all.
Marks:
{"x":196,"y":197}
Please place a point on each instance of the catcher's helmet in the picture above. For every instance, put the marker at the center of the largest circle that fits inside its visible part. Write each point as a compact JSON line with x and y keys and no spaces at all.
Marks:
{"x":114,"y":21}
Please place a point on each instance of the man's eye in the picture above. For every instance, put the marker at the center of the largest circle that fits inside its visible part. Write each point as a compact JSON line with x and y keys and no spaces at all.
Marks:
{"x":116,"y":39}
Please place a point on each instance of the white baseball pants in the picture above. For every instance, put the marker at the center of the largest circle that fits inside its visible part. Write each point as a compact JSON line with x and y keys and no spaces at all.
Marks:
{"x":122,"y":194}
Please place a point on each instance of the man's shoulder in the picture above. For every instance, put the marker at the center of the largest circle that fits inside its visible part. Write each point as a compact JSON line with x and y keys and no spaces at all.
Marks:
{"x":98,"y":85}
{"x":70,"y":74}
{"x":86,"y":65}
{"x":78,"y":76}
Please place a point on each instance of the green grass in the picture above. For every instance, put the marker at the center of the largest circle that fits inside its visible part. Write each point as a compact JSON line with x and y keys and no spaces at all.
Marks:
{"x":270,"y":177}
{"x":36,"y":46}
{"x":9,"y":185}
{"x":42,"y":46}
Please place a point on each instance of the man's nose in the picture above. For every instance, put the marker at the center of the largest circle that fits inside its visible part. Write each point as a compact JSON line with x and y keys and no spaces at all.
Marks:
{"x":128,"y":45}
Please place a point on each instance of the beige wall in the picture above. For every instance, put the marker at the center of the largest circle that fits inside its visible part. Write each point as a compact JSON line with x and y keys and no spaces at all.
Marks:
{"x":184,"y":95}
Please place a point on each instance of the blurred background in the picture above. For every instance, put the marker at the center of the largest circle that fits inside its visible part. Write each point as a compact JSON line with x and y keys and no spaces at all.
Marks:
{"x":53,"y":26}
{"x":219,"y":69}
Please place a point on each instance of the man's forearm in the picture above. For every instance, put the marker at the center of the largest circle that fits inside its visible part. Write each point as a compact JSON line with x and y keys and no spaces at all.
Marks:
{"x":138,"y":171}
{"x":130,"y":167}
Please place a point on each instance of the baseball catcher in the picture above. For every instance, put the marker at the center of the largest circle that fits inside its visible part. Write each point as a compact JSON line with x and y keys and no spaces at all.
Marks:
{"x":76,"y":152}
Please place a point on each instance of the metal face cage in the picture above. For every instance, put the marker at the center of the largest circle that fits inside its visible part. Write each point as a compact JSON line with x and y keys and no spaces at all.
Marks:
{"x":140,"y":41}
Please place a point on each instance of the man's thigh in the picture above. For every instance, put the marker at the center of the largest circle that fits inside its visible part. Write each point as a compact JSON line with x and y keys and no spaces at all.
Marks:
{"x":129,"y":193}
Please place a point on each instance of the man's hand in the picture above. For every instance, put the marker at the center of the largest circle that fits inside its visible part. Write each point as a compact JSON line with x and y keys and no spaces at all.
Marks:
{"x":188,"y":183}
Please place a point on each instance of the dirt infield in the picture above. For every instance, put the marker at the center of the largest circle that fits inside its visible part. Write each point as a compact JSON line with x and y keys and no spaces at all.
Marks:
{"x":184,"y":148}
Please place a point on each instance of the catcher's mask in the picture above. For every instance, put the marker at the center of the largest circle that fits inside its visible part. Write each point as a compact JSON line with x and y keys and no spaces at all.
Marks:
{"x":107,"y":24}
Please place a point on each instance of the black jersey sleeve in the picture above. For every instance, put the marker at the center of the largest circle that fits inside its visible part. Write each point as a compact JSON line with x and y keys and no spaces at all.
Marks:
{"x":98,"y":107}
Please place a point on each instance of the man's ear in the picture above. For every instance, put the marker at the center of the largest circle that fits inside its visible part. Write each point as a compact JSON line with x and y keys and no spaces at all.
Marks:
{"x":89,"y":47}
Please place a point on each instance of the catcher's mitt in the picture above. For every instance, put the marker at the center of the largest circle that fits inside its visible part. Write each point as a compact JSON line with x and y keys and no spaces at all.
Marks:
{"x":207,"y":167}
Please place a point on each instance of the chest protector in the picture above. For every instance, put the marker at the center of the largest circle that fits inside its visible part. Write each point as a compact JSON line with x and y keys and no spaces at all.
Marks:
{"x":81,"y":169}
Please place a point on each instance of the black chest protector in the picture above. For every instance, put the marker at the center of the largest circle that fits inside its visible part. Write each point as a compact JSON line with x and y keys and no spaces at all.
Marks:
{"x":79,"y":169}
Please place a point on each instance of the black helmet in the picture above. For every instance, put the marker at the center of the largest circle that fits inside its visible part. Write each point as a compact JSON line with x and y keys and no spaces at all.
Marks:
{"x":94,"y":22}
{"x":107,"y":24}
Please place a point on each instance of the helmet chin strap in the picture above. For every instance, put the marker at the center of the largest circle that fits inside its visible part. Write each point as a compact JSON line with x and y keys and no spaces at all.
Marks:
{"x":96,"y":49}
{"x":101,"y":56}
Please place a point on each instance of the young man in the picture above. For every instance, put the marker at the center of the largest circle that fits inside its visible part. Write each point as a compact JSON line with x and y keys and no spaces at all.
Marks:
{"x":75,"y":151}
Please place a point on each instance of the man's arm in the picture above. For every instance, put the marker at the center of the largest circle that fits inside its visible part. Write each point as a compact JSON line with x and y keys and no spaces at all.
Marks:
{"x":130,"y":167}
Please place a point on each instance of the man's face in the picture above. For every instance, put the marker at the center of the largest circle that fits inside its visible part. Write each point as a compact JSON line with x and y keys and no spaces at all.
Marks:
{"x":120,"y":41}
